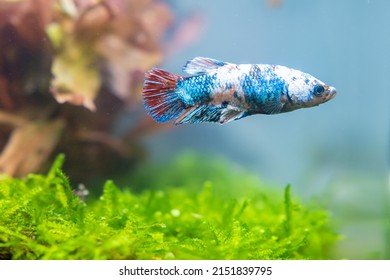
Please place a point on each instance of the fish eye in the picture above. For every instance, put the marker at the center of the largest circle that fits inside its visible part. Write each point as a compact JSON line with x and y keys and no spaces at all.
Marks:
{"x":318,"y":90}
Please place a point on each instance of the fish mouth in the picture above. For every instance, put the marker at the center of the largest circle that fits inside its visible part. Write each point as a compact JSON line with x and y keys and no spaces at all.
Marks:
{"x":331,"y":92}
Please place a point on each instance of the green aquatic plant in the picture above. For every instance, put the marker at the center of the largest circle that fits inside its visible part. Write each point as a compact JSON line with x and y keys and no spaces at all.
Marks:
{"x":231,"y":215}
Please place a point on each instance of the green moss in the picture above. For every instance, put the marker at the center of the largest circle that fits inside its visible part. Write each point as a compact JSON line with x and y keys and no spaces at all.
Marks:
{"x":231,"y":215}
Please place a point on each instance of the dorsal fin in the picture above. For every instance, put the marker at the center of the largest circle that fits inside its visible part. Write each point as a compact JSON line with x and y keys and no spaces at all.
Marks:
{"x":202,"y":65}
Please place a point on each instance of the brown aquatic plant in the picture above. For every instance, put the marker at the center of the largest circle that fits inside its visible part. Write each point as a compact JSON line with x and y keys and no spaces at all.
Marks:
{"x":69,"y":69}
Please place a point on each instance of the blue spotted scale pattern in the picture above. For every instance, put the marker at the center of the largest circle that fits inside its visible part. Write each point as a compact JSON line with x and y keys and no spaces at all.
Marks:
{"x":220,"y":92}
{"x":196,"y":89}
{"x":263,"y":89}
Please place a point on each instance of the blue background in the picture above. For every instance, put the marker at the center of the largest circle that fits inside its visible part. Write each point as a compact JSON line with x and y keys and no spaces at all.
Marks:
{"x":337,"y":151}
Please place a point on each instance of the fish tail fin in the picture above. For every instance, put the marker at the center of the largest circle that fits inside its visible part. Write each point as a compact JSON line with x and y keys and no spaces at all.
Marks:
{"x":160,"y":95}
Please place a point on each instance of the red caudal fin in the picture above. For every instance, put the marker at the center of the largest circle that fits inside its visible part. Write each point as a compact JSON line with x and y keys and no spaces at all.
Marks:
{"x":160,"y":96}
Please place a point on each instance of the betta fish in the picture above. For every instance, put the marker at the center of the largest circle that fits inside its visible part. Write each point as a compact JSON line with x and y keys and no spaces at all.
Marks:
{"x":220,"y":92}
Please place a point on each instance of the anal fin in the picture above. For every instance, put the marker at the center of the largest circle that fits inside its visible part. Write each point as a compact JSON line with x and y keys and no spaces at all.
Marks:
{"x":209,"y":113}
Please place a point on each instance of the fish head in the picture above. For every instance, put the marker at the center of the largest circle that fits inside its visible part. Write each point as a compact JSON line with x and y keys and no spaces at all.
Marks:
{"x":304,"y":90}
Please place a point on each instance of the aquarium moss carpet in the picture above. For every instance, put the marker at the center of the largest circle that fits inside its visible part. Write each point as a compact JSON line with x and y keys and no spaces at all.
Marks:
{"x":231,"y":215}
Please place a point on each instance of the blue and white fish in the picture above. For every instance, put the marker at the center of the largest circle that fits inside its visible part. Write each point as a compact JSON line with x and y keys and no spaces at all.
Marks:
{"x":219,"y":92}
